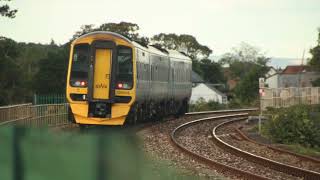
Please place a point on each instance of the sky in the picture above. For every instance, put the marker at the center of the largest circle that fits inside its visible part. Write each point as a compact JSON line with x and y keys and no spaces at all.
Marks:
{"x":280,"y":28}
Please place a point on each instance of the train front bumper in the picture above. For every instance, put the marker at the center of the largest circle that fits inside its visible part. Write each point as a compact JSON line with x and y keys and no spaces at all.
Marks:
{"x":119,"y":113}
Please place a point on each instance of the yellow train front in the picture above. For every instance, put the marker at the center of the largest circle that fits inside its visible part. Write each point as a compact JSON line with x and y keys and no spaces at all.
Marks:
{"x":113,"y":80}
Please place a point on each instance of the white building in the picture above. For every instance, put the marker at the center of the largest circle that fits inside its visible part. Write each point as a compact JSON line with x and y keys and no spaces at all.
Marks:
{"x":208,"y":93}
{"x":200,"y":89}
{"x":272,"y":78}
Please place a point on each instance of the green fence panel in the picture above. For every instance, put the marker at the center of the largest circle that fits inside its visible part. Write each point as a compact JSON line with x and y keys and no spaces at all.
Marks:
{"x":49,"y":99}
{"x":65,"y":156}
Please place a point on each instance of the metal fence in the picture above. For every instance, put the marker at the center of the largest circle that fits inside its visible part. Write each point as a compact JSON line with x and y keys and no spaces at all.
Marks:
{"x":49,"y":99}
{"x":285,"y":97}
{"x":47,"y":115}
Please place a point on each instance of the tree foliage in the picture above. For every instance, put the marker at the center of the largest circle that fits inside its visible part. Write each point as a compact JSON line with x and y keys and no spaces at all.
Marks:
{"x":247,"y":64}
{"x":315,"y":59}
{"x":10,"y":78}
{"x":19,"y":64}
{"x":211,"y":71}
{"x":51,"y":77}
{"x":184,"y":42}
{"x":6,"y":11}
{"x":127,"y":29}
{"x":247,"y":90}
{"x":298,"y":124}
{"x":315,"y":52}
{"x":242,"y":59}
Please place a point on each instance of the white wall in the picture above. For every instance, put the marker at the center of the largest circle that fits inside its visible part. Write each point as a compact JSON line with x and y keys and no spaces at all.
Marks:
{"x":203,"y":91}
{"x":273,"y":81}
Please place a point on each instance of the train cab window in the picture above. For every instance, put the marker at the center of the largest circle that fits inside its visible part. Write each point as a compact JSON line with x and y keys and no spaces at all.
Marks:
{"x":124,"y":68}
{"x":80,"y":65}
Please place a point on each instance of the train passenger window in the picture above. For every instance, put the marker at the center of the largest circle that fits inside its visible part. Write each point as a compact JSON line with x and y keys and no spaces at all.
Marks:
{"x":124,"y":68}
{"x":80,"y":65}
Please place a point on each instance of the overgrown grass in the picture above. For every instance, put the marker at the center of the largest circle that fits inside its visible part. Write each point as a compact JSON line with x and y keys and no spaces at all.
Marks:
{"x":297,"y":148}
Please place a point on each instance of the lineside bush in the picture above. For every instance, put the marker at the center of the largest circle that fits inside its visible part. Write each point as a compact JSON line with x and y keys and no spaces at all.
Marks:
{"x":298,"y":124}
{"x":202,"y":105}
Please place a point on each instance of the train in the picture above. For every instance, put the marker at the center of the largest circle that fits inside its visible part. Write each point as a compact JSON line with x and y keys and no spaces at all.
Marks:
{"x":113,"y":80}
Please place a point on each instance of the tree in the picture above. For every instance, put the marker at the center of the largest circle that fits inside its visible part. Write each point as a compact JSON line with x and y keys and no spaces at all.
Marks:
{"x":84,"y":29}
{"x":51,"y":77}
{"x":124,"y":28}
{"x":247,"y":90}
{"x":10,"y":76}
{"x":211,"y":71}
{"x":315,"y":52}
{"x":184,"y":42}
{"x":242,"y":59}
{"x":247,"y":64}
{"x":315,"y":59}
{"x":6,"y":11}
{"x":127,"y":29}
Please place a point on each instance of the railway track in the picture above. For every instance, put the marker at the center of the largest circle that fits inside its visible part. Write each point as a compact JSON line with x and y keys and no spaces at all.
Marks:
{"x":227,"y":111}
{"x":272,"y":164}
{"x":141,"y":126}
{"x":267,"y":167}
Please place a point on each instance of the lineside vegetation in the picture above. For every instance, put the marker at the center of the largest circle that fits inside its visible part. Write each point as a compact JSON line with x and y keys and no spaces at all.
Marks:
{"x":296,"y":125}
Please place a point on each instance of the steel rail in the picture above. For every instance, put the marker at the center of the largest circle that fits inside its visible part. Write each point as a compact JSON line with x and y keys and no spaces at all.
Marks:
{"x":222,"y":111}
{"x":288,"y":169}
{"x":212,"y":163}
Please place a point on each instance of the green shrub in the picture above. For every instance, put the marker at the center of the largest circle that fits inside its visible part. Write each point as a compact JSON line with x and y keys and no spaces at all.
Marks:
{"x":202,"y":105}
{"x":298,"y":124}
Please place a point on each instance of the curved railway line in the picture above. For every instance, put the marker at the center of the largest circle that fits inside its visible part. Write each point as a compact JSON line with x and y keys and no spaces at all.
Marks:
{"x":271,"y":168}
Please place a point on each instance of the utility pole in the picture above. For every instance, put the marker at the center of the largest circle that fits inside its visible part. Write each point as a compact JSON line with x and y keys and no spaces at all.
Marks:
{"x":299,"y":85}
{"x":261,"y":94}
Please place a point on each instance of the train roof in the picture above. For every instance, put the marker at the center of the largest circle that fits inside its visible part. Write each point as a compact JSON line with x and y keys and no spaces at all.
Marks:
{"x":106,"y":33}
{"x":162,"y":52}
{"x":149,"y":48}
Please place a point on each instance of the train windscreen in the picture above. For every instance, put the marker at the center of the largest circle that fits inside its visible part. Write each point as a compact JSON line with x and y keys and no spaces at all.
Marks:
{"x":124,"y":68}
{"x":80,"y":65}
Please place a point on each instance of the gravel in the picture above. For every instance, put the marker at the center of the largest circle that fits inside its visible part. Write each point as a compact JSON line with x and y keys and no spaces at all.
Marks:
{"x":157,"y":144}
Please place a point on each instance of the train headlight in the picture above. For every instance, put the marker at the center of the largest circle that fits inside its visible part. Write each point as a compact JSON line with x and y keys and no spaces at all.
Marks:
{"x":77,"y":83}
{"x":123,"y":85}
{"x":80,"y":84}
{"x":120,"y":85}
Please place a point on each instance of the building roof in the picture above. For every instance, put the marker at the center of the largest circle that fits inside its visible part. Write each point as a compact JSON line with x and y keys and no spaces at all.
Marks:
{"x":211,"y":87}
{"x":214,"y":89}
{"x":196,"y":78}
{"x":295,"y":69}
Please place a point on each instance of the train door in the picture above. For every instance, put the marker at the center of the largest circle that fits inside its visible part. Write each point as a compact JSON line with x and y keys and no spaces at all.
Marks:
{"x":101,"y":80}
{"x":101,"y":87}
